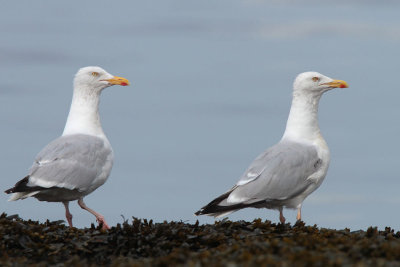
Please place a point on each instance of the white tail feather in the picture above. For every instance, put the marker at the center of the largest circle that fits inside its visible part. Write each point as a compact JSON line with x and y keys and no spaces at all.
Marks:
{"x":220,"y":215}
{"x":21,"y":195}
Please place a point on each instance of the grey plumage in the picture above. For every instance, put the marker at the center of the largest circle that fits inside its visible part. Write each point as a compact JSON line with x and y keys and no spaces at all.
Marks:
{"x":285,"y":174}
{"x":275,"y":178}
{"x":278,"y":174}
{"x":71,"y":163}
{"x":78,"y":162}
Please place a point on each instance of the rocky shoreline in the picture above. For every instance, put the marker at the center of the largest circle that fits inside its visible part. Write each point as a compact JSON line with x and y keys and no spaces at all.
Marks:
{"x":144,"y":243}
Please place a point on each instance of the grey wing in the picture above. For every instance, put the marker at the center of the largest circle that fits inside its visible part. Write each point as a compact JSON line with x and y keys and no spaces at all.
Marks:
{"x":72,"y":162}
{"x":279,"y":173}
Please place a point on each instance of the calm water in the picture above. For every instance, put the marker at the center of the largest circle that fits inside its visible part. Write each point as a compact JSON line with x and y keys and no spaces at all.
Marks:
{"x":211,"y":89}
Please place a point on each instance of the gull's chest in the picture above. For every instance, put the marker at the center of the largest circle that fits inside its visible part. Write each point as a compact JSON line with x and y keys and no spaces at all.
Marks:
{"x":324,"y":158}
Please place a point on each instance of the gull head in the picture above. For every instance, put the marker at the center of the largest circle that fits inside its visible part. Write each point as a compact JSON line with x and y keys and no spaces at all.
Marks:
{"x":315,"y":83}
{"x":97,"y":79}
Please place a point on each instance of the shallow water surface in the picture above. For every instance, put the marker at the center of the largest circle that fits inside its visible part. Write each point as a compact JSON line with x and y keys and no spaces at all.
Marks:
{"x":211,"y":89}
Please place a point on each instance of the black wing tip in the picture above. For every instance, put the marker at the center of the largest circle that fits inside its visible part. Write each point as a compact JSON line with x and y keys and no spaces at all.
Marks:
{"x":9,"y":191}
{"x":213,"y":206}
{"x":212,"y":209}
{"x":21,"y":186}
{"x":208,"y":209}
{"x":18,"y":186}
{"x":199,"y":212}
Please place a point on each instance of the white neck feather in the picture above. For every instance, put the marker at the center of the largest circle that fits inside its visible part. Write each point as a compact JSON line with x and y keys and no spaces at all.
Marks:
{"x":84,"y":116}
{"x":302,"y":123}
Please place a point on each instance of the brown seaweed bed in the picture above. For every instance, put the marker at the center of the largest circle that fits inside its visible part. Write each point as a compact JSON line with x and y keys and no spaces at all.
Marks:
{"x":144,"y":243}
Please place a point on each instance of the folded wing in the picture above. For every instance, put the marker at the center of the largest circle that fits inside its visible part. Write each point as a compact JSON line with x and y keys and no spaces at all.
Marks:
{"x":277,"y":175}
{"x":72,"y":162}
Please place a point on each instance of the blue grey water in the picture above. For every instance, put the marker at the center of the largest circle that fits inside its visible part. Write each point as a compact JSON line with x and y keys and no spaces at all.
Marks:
{"x":211,"y":89}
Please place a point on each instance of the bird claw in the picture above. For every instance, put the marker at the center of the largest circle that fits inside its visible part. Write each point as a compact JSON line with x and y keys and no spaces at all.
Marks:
{"x":102,"y":223}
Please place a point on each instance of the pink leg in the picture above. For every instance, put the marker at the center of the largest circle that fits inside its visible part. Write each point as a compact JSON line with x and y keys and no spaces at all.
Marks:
{"x":281,"y":217}
{"x":68,"y":215}
{"x":298,"y":217}
{"x":99,"y":217}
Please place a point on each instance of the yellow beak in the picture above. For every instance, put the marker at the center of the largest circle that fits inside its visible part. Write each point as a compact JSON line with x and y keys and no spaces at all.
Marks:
{"x":337,"y":84}
{"x":118,"y":81}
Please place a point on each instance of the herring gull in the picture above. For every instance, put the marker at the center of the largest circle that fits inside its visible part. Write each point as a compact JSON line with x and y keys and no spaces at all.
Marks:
{"x":285,"y":174}
{"x":77,"y":163}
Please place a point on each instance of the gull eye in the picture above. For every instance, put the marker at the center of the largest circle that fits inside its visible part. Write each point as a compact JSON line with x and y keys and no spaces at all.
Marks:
{"x":315,"y":79}
{"x":95,"y":74}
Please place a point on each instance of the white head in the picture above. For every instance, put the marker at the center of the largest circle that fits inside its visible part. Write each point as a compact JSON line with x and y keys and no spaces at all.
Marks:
{"x":314,"y":83}
{"x":96,"y":79}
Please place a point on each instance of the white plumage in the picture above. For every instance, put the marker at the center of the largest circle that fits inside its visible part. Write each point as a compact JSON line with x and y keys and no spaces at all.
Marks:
{"x":78,"y":162}
{"x":285,"y":174}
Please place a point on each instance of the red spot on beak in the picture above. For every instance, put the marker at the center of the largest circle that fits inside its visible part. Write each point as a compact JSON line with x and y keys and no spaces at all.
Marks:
{"x":124,"y":84}
{"x":342,"y":86}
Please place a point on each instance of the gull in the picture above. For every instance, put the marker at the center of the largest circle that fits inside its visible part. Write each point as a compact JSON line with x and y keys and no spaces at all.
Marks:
{"x":77,"y":163}
{"x":285,"y":174}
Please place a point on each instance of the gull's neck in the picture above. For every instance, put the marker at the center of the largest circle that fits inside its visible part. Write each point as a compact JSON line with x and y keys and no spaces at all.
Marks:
{"x":83,"y":115}
{"x":302,"y":124}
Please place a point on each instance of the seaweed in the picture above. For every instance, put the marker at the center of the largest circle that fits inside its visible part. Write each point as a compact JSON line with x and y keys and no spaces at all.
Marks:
{"x":142,"y":242}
